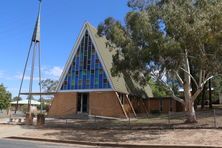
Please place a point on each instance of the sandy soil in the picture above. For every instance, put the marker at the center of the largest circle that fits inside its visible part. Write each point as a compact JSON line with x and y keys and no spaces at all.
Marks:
{"x":178,"y":136}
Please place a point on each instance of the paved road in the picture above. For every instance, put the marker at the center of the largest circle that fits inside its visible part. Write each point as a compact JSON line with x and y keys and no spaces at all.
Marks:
{"x":5,"y":143}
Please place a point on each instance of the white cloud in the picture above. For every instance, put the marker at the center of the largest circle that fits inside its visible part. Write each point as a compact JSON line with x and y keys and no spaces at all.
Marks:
{"x":1,"y":74}
{"x":5,"y":76}
{"x":47,"y":73}
{"x":53,"y":72}
{"x":26,"y":77}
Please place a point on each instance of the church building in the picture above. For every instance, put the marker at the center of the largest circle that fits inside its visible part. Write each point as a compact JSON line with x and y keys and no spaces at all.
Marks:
{"x":86,"y":86}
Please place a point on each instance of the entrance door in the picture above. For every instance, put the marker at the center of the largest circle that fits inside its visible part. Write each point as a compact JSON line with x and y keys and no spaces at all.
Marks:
{"x":82,"y":103}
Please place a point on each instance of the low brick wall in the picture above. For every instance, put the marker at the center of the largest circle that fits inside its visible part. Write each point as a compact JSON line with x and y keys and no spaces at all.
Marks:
{"x":151,"y":105}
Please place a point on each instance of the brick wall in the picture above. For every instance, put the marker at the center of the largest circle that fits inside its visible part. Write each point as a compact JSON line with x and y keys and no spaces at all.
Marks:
{"x":63,"y":104}
{"x":138,"y":105}
{"x":154,"y":105}
{"x":105,"y":104}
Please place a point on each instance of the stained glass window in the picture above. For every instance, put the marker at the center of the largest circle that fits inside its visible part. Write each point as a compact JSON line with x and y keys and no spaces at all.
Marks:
{"x":86,"y":71}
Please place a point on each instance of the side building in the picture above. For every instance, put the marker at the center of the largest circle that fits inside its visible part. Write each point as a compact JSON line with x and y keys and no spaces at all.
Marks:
{"x":86,"y":85}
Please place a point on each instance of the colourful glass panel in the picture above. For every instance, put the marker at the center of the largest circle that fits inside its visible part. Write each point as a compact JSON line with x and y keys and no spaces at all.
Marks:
{"x":86,"y":71}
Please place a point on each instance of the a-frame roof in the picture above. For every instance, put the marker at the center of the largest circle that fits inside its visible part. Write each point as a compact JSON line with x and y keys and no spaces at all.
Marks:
{"x":123,"y":83}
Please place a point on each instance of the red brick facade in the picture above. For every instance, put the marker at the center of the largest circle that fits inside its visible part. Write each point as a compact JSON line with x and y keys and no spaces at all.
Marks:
{"x":162,"y":105}
{"x":107,"y":104}
{"x":112,"y":104}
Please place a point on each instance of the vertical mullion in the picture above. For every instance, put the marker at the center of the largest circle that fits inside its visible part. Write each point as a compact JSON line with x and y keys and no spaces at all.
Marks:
{"x":80,"y":50}
{"x":102,"y":77}
{"x":83,"y":57}
{"x":87,"y":59}
{"x":90,"y":63}
{"x":94,"y":66}
{"x":75,"y":69}
{"x":71,"y":75}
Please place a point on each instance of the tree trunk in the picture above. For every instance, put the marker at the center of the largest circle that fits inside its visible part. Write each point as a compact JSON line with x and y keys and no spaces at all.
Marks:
{"x":189,"y":102}
{"x":190,"y":112}
{"x":194,"y":89}
{"x":193,"y":86}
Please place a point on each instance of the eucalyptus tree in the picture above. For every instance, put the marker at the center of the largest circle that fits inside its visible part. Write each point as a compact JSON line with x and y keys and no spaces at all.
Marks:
{"x":5,"y":97}
{"x":49,"y":85}
{"x":169,"y":37}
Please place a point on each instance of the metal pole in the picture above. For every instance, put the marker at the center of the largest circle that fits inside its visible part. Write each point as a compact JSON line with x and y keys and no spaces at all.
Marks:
{"x":23,"y":75}
{"x":40,"y":78}
{"x":35,"y":40}
{"x":31,"y":79}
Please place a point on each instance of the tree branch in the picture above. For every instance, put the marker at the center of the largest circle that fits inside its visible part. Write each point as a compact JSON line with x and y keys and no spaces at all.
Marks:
{"x":205,"y":81}
{"x":179,"y":78}
{"x":191,"y":77}
{"x":199,"y":90}
{"x":171,"y":90}
{"x":200,"y":77}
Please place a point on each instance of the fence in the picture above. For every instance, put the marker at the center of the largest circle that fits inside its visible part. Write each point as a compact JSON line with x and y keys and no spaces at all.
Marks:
{"x":206,"y":119}
{"x":172,"y":120}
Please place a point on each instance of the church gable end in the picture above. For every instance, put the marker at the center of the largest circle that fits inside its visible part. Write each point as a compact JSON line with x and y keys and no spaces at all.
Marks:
{"x":86,"y":70}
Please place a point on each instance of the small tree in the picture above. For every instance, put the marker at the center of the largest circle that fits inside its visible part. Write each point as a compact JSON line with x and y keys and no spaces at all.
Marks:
{"x":16,"y":98}
{"x":5,"y":97}
{"x":49,"y":85}
{"x":168,"y":37}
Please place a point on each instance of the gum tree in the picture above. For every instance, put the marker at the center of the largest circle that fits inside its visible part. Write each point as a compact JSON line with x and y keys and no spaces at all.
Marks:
{"x":49,"y":85}
{"x":5,"y":97}
{"x":169,"y":37}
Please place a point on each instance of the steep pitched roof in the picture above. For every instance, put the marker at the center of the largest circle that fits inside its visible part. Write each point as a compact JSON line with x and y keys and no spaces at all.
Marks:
{"x":123,"y":83}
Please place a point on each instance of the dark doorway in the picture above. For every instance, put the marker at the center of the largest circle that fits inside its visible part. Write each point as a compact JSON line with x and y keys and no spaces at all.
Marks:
{"x":82,"y":102}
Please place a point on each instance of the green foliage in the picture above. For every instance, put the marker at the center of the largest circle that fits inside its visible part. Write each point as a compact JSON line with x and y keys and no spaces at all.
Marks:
{"x":217,"y":87}
{"x":142,"y":4}
{"x":157,"y":37}
{"x":16,"y":98}
{"x":5,"y":97}
{"x":49,"y":85}
{"x":45,"y":104}
{"x":157,"y":89}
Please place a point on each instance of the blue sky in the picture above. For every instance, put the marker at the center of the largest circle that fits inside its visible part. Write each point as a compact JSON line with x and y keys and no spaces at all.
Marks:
{"x":61,"y":21}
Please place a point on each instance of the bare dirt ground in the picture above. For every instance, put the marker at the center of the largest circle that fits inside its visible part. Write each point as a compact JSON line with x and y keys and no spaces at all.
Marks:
{"x":117,"y":131}
{"x":206,"y":119}
{"x":167,"y":137}
{"x":12,"y":130}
